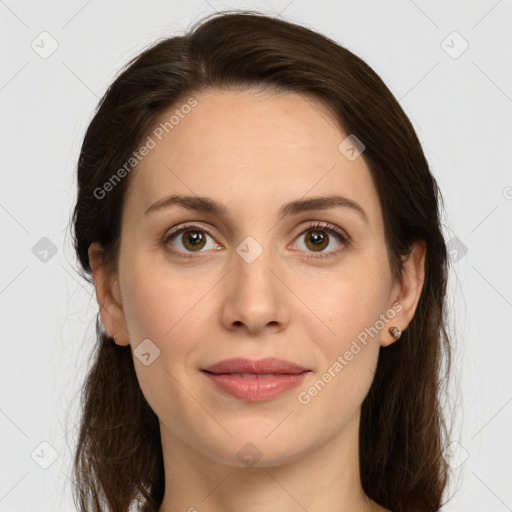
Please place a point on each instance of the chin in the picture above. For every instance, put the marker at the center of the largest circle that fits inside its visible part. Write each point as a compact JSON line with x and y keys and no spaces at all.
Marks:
{"x":255,"y":448}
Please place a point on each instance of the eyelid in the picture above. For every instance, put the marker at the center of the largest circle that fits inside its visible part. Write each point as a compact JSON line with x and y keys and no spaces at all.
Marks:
{"x":321,"y":225}
{"x":186,"y":227}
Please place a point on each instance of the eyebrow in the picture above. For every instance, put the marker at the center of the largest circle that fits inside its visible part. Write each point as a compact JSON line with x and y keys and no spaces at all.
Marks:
{"x":209,"y":205}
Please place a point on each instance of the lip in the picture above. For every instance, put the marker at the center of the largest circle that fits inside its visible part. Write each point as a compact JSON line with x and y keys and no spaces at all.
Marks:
{"x":258,"y":366}
{"x":264,"y":379}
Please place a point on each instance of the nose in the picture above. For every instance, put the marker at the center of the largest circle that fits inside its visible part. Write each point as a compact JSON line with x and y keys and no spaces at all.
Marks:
{"x":256,"y":298}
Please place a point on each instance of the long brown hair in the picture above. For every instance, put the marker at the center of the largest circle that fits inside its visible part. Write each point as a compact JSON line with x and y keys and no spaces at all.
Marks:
{"x":402,"y":430}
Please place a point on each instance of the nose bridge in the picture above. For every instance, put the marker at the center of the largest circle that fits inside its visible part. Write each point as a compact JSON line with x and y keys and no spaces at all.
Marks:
{"x":252,"y":261}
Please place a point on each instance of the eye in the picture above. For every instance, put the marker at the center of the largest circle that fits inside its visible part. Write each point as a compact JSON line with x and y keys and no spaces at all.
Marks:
{"x":320,"y":235}
{"x":193,"y":238}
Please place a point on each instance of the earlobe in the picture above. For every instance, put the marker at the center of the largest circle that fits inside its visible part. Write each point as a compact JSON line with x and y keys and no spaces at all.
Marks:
{"x":108,"y":296}
{"x":407,"y":292}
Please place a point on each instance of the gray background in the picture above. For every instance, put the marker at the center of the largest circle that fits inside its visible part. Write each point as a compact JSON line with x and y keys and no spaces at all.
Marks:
{"x":460,"y":102}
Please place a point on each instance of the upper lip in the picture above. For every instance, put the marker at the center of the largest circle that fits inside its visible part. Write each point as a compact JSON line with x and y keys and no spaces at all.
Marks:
{"x":267,"y":365}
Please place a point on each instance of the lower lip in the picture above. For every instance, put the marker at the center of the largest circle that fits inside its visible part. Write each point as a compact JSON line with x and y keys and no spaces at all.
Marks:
{"x":257,"y":388}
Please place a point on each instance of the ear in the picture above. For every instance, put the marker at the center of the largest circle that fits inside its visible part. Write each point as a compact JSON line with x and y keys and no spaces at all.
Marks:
{"x":108,"y":296}
{"x":406,"y":293}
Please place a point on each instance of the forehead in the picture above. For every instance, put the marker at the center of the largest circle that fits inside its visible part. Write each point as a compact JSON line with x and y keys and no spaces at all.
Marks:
{"x":251,"y":151}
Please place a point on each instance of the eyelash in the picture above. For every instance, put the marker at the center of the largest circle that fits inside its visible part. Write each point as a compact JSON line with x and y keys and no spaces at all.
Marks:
{"x":315,"y":226}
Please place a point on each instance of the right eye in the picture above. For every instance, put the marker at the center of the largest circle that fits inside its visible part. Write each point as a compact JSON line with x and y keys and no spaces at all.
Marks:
{"x":193,"y":238}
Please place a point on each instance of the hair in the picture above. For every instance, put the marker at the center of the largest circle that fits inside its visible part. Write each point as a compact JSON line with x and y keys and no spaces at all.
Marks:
{"x":403,"y":429}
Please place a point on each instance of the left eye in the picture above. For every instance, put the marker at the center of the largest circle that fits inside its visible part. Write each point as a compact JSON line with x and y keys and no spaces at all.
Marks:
{"x":319,"y":237}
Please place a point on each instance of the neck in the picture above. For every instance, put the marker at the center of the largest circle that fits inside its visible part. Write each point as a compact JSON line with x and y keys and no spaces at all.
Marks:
{"x":324,"y":478}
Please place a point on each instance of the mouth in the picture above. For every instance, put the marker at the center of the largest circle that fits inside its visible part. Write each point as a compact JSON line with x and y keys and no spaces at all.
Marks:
{"x":255,"y":380}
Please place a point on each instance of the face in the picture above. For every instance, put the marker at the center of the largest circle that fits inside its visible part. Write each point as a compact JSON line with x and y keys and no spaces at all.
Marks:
{"x":309,"y":284}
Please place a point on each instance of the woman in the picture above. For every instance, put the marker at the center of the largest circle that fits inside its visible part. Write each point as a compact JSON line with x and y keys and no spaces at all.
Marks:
{"x":262,"y":230}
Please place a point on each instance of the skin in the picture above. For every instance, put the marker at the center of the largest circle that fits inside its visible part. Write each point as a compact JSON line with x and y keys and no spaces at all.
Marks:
{"x":253,"y":152}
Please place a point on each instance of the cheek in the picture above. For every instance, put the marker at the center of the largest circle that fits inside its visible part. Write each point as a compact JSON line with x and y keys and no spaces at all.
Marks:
{"x":348,"y":358}
{"x":173,"y":309}
{"x":349,"y":302}
{"x":157,"y":299}
{"x":169,"y":309}
{"x":352,"y":308}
